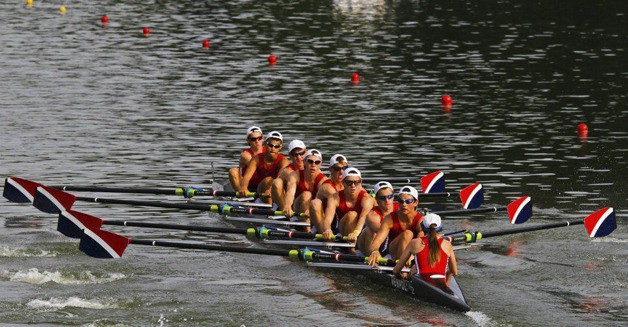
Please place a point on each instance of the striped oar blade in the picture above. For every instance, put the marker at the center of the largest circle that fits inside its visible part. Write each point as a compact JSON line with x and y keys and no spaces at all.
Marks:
{"x":72,"y":223}
{"x":433,"y":182}
{"x":520,"y":210}
{"x":601,"y":222}
{"x":19,"y":190}
{"x":472,"y":196}
{"x":51,"y":200}
{"x":102,"y":244}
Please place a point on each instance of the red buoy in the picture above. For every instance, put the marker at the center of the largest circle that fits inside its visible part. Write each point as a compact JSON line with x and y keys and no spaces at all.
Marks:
{"x":355,"y":78}
{"x":446,"y":99}
{"x":272,"y":59}
{"x":583,"y":130}
{"x":104,"y":19}
{"x":206,"y":44}
{"x":146,"y":31}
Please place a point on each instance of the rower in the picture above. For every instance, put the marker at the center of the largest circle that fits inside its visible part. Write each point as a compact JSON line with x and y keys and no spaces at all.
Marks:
{"x":400,"y":226}
{"x":321,"y":214}
{"x":384,"y":198}
{"x":296,"y":150}
{"x":303,"y":184}
{"x":435,"y":260}
{"x":254,"y":138}
{"x":352,"y":205}
{"x":265,"y":167}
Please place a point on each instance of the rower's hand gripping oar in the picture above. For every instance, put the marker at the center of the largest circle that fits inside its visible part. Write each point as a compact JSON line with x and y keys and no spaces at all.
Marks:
{"x":106,"y":245}
{"x":598,"y":224}
{"x":71,"y":223}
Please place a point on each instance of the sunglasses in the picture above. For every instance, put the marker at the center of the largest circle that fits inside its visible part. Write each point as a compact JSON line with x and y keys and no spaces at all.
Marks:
{"x":276,"y":146}
{"x":352,"y":183}
{"x":314,"y":162}
{"x":254,"y":139}
{"x":406,"y":201}
{"x":297,"y":154}
{"x":338,"y":168}
{"x":385,"y":197}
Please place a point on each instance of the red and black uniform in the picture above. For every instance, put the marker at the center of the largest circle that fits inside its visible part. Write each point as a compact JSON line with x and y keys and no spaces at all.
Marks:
{"x":343,"y":209}
{"x":264,"y":171}
{"x":302,"y":186}
{"x":423,"y":262}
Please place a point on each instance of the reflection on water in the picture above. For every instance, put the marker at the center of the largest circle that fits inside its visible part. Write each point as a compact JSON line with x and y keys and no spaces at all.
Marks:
{"x":83,"y":104}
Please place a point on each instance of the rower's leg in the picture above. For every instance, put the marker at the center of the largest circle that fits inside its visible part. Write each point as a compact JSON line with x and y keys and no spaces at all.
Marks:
{"x":365,"y":239}
{"x":263,"y":190}
{"x":278,"y":192}
{"x":348,"y":222}
{"x":235,"y":177}
{"x":302,"y":205}
{"x":399,"y":243}
{"x":316,"y":214}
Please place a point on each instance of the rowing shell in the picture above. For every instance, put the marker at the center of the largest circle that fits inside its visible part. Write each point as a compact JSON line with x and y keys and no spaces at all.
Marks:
{"x":415,"y":286}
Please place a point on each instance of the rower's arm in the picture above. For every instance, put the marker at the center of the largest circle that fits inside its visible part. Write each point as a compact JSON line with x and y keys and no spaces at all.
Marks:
{"x":405,"y":255}
{"x":381,"y":235}
{"x":330,"y":211}
{"x":372,"y":221}
{"x":291,"y":189}
{"x":283,"y":163}
{"x":367,"y":206}
{"x":248,"y":174}
{"x":453,"y":265}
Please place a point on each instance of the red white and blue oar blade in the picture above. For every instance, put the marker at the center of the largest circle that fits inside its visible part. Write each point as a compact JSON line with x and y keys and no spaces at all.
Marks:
{"x":72,"y":223}
{"x":601,"y":222}
{"x":520,"y":210}
{"x":102,"y":244}
{"x":19,"y":190}
{"x":472,"y":196}
{"x":50,"y":200}
{"x":433,"y":182}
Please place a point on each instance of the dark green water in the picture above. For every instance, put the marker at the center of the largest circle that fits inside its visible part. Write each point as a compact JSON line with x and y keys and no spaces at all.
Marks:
{"x":83,"y":104}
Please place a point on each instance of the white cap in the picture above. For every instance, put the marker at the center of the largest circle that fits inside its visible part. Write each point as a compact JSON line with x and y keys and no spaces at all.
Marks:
{"x":314,"y":152}
{"x":252,"y":130}
{"x":275,"y":135}
{"x":351,"y":171}
{"x":336,"y":158}
{"x":431,"y":219}
{"x":409,"y":190}
{"x":296,"y":144}
{"x":381,"y":185}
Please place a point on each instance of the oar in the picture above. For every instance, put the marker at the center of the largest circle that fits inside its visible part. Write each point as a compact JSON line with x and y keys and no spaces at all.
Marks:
{"x":430,"y":183}
{"x":71,"y":223}
{"x":14,"y":185}
{"x":102,"y":244}
{"x":519,"y":210}
{"x":598,"y":224}
{"x":51,"y":200}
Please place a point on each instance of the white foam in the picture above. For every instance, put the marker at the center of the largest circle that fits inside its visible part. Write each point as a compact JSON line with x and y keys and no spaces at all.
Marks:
{"x":33,"y":276}
{"x":483,"y":320}
{"x":9,"y":252}
{"x":75,"y":302}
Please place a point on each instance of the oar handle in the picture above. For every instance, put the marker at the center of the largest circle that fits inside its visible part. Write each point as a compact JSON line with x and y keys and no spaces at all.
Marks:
{"x":471,"y":237}
{"x":224,"y":193}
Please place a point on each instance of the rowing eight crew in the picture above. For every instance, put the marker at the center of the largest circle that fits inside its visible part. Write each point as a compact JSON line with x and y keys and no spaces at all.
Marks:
{"x":339,"y":204}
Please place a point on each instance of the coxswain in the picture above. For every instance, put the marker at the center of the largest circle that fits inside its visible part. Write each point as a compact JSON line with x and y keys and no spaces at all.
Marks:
{"x":434,"y":255}
{"x":303,"y":185}
{"x":321,"y":214}
{"x":254,"y":138}
{"x":296,"y":150}
{"x":265,"y":167}
{"x":384,"y":198}
{"x":400,"y":227}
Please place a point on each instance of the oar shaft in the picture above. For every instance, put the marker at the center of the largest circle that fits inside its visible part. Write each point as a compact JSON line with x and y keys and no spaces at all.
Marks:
{"x":186,"y":206}
{"x":392,"y":179}
{"x":285,"y":253}
{"x":139,"y":190}
{"x":471,"y":237}
{"x":225,"y":230}
{"x":463,"y":212}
